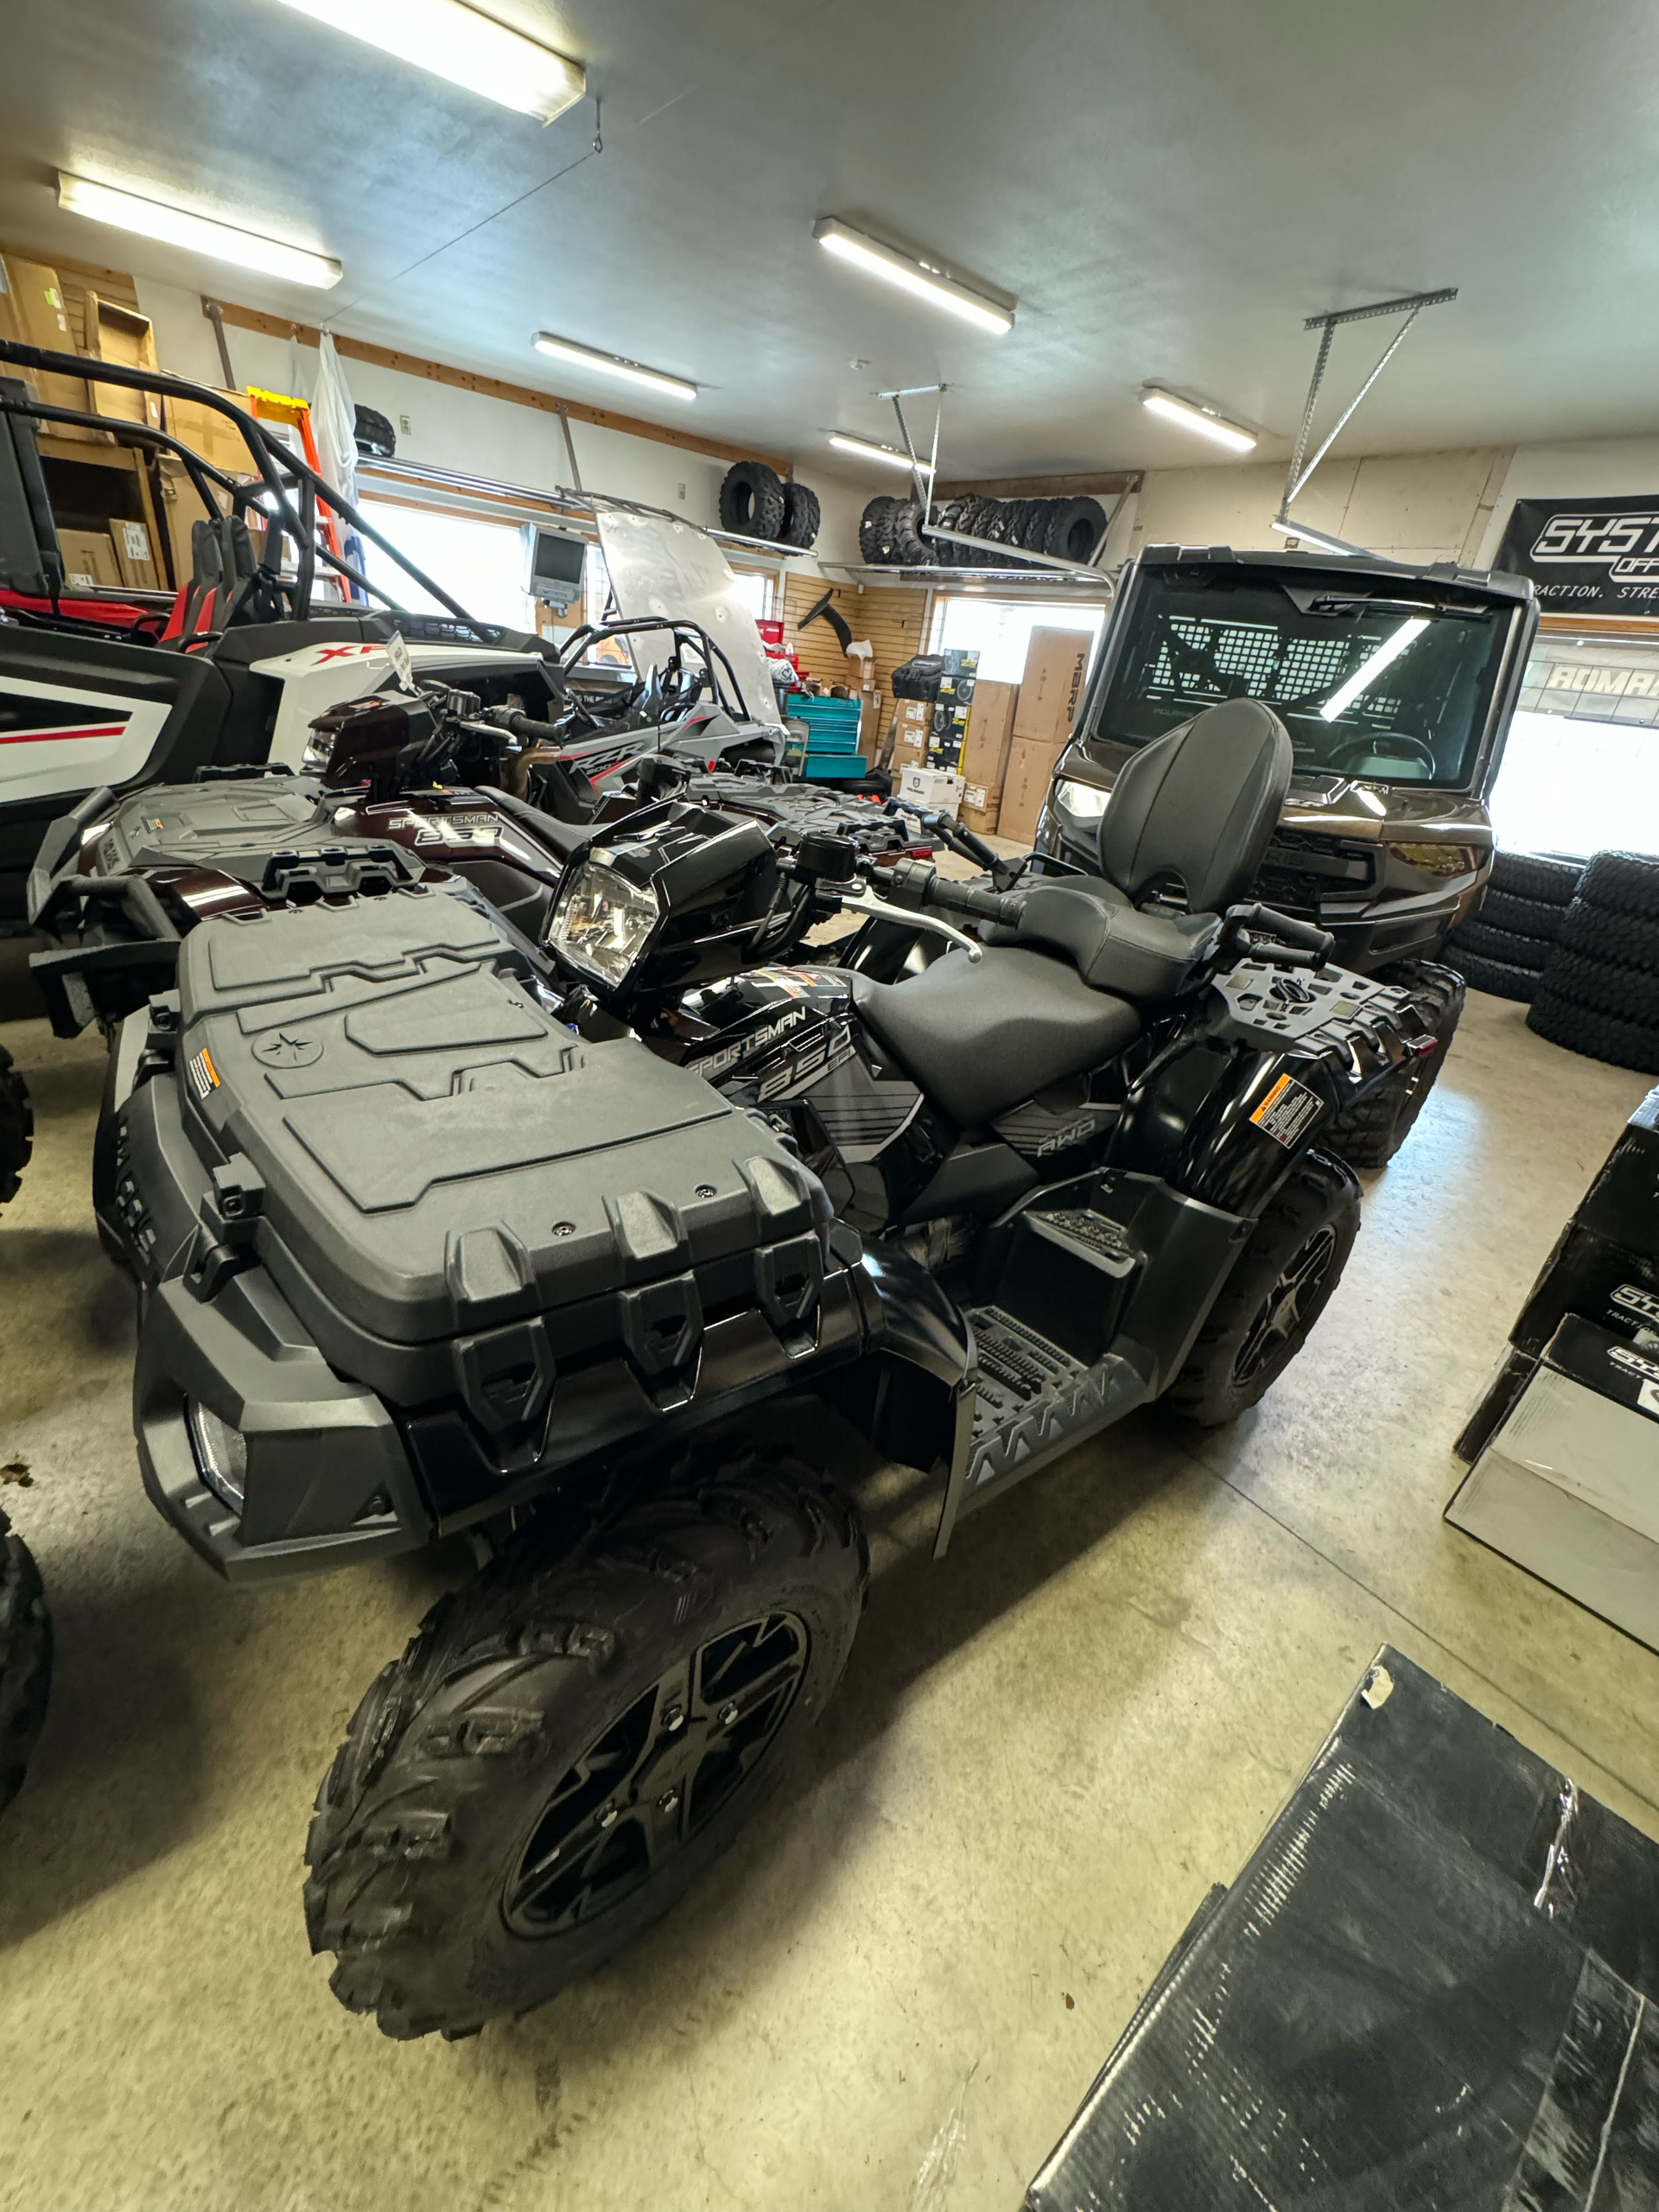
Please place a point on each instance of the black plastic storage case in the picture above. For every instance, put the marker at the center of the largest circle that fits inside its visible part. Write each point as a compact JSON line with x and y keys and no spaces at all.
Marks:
{"x":421,"y":1248}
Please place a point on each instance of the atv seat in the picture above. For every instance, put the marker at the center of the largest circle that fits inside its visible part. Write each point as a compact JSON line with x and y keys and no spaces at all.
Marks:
{"x":1186,"y":826}
{"x":980,"y":1037}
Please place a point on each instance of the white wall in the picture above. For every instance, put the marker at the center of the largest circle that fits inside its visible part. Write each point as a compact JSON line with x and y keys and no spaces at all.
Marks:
{"x":496,"y":438}
{"x":1428,"y":506}
{"x":1593,"y":468}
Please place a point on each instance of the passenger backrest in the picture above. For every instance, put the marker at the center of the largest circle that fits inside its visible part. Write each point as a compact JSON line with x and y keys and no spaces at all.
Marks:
{"x":1199,"y":804}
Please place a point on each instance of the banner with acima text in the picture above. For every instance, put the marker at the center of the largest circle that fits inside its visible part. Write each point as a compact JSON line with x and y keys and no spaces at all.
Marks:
{"x":1587,"y":556}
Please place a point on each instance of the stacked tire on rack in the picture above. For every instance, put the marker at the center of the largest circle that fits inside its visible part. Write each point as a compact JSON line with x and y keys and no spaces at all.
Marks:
{"x":755,"y":501}
{"x":1598,"y":993}
{"x":1069,"y":530}
{"x":1503,"y":949}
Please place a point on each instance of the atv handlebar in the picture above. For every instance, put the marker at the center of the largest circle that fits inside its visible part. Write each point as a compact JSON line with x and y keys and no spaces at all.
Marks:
{"x":1266,"y":934}
{"x":916,"y":884}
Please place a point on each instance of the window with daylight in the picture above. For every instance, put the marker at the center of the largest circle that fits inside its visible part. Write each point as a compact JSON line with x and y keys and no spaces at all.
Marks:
{"x":1581,"y":772}
{"x":999,"y":630}
{"x":480,"y":564}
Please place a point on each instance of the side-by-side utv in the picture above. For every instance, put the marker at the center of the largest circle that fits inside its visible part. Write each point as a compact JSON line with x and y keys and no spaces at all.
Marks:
{"x":607,"y":1248}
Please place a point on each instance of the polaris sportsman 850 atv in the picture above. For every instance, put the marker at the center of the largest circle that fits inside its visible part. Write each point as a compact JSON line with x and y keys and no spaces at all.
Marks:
{"x":436,"y":1232}
{"x":1397,"y":684}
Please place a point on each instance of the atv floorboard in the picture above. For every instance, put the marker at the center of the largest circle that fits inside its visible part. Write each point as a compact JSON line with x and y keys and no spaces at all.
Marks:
{"x":1034,"y":1400}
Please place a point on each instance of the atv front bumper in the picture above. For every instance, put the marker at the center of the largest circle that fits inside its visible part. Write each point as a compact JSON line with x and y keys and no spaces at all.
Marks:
{"x":323,"y":1475}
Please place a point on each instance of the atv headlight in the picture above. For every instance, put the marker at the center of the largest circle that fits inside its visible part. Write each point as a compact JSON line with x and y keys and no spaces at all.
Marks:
{"x":602,"y":924}
{"x":222,"y":1454}
{"x":1083,"y":801}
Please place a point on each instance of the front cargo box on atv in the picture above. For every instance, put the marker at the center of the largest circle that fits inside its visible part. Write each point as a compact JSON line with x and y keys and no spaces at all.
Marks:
{"x":417,"y":1249}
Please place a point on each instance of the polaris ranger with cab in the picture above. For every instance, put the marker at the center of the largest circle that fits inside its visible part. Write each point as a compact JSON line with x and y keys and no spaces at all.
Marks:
{"x":1397,"y":684}
{"x":436,"y":1232}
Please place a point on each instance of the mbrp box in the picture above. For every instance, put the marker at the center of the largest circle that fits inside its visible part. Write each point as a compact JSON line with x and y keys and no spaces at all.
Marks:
{"x":1051,"y":689}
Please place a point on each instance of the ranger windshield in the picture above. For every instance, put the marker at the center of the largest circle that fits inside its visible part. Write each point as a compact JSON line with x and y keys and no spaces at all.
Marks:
{"x":1394,"y":688}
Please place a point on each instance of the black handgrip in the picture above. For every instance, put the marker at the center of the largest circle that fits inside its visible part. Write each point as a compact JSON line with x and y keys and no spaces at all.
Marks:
{"x":1308,"y":936}
{"x":967,"y":899}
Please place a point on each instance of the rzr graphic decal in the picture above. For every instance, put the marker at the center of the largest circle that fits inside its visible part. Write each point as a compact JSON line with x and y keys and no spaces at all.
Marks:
{"x":28,"y":719}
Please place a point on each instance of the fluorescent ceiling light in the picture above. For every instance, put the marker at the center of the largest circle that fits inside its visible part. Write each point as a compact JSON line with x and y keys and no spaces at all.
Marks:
{"x":1311,"y":537}
{"x":613,"y":365}
{"x":1204,"y":420}
{"x":456,"y":42}
{"x":920,"y":277}
{"x":868,"y":451}
{"x":1364,"y":676}
{"x":102,"y":203}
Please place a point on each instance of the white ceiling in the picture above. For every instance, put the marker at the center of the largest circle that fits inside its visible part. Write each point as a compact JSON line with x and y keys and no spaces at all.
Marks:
{"x":1167,"y":186}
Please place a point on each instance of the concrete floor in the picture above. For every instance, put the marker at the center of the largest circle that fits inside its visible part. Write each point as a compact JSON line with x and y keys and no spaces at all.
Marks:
{"x":1044,"y":1752}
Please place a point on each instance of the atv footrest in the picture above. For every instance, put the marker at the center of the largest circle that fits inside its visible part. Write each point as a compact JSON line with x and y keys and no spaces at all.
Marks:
{"x":1035,"y":1400}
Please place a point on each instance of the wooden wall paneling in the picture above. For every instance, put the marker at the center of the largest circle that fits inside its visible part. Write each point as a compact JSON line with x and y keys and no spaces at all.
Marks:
{"x":894,"y":620}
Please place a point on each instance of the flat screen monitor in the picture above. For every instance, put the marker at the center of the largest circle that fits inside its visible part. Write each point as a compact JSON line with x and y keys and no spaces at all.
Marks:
{"x":556,"y":567}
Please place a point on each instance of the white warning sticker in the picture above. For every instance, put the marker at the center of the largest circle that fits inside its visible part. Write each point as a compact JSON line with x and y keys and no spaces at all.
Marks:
{"x":1288,"y":1110}
{"x":204,"y":1075}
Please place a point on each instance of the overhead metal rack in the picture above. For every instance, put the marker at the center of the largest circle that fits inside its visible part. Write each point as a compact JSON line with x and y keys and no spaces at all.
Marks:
{"x":923,"y":476}
{"x":1411,"y":305}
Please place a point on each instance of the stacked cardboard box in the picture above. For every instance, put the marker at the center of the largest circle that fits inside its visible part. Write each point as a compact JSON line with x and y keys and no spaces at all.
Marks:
{"x":1565,"y":1442}
{"x":1051,"y":692}
{"x":912,"y":726}
{"x":985,"y":752}
{"x":89,"y":562}
{"x":31,"y":312}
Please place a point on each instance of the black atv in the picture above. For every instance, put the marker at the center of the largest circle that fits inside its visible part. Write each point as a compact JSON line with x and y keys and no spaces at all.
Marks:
{"x":435,"y":1234}
{"x":1397,"y":684}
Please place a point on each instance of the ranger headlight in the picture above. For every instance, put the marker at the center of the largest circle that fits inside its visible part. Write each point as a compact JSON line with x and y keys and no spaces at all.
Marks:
{"x":1083,"y":801}
{"x":602,"y":924}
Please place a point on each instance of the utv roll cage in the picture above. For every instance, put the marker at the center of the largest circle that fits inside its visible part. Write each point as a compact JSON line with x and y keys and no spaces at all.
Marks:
{"x":265,"y":594}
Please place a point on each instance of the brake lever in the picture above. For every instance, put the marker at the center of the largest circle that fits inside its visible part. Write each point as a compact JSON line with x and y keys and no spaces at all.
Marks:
{"x":862,"y":900}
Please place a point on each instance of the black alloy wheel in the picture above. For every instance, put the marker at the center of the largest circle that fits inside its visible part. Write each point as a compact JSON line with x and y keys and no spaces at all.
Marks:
{"x":1280,"y":1285}
{"x":656,"y":1776}
{"x":1286,"y":1311}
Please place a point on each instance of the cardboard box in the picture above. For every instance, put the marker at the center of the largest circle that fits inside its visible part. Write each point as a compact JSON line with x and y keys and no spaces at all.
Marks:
{"x":210,"y":434}
{"x":990,"y":732}
{"x":979,"y":808}
{"x":89,"y":562}
{"x":31,"y":312}
{"x":936,"y":789}
{"x":135,"y":555}
{"x":909,"y":742}
{"x":1025,"y":787}
{"x":121,"y":334}
{"x":1051,"y":690}
{"x":913,"y":714}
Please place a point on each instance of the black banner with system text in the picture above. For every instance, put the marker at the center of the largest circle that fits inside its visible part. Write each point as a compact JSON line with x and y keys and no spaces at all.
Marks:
{"x":1587,"y":556}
